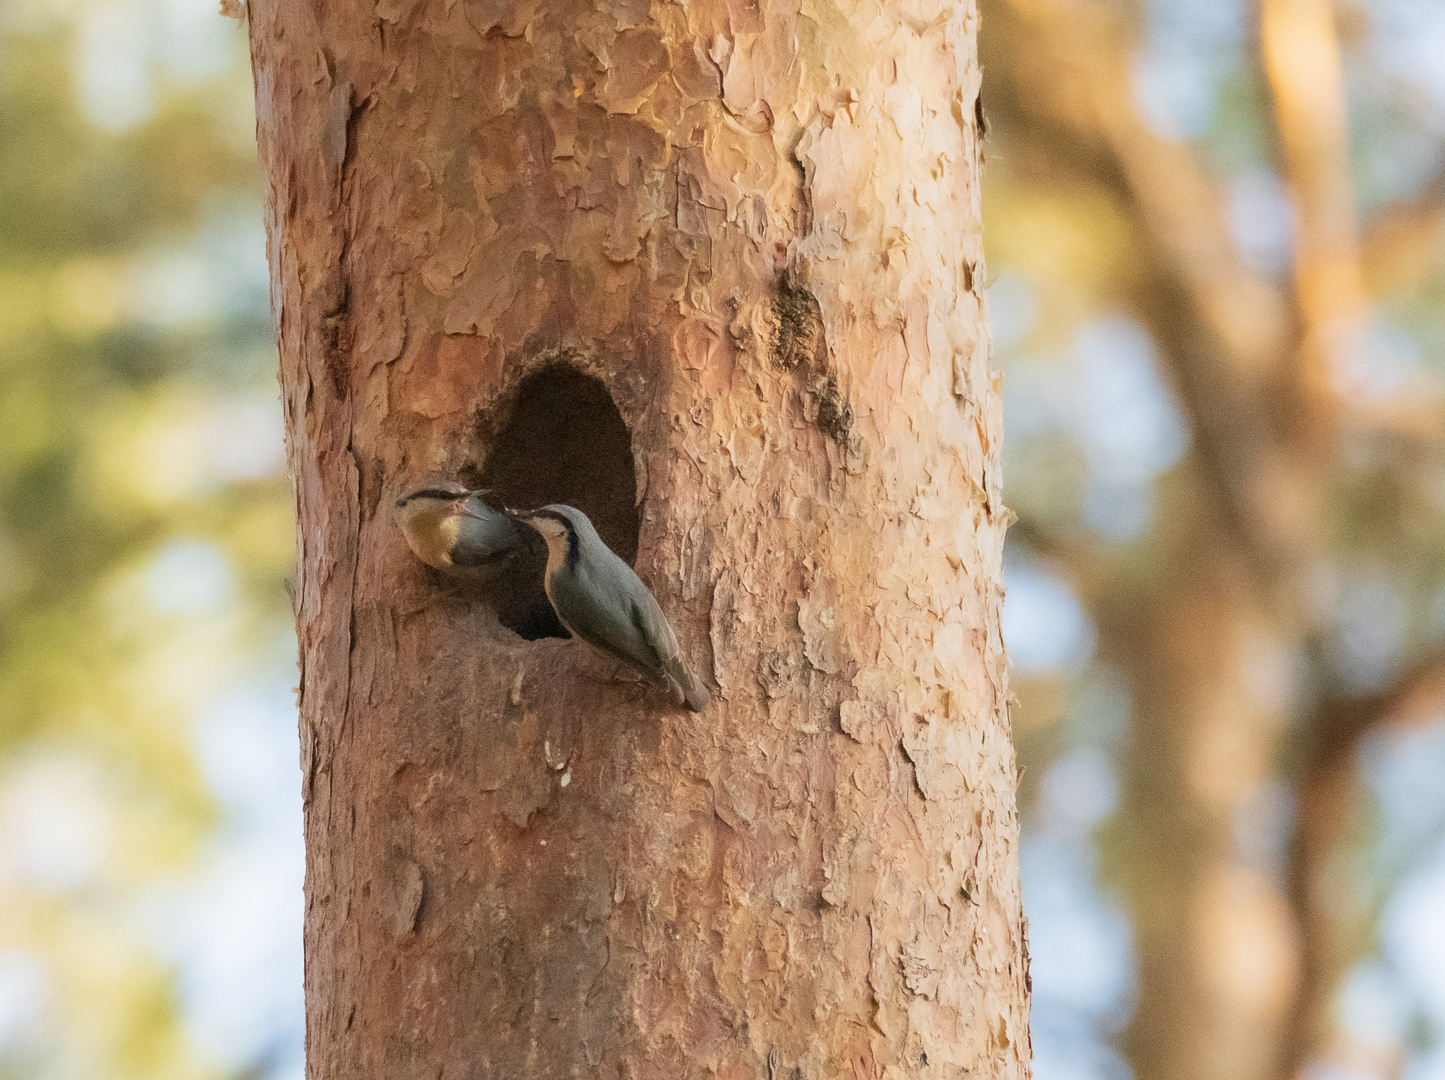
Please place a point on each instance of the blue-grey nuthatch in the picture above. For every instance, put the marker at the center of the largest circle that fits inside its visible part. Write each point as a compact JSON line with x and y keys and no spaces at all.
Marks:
{"x":599,"y":599}
{"x":449,"y":527}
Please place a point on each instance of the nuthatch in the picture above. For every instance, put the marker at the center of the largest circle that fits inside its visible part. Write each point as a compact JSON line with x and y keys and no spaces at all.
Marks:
{"x":600,"y":600}
{"x":451,"y":528}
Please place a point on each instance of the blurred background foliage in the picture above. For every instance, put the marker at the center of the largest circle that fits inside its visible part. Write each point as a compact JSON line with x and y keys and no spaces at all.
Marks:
{"x":1216,"y":240}
{"x":1217,"y":267}
{"x":149,"y":810}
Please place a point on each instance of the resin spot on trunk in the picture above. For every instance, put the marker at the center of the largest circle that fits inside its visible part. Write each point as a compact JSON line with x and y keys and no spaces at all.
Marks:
{"x":561,"y":440}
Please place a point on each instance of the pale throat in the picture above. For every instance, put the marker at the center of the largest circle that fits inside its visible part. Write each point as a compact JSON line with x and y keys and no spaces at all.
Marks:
{"x":556,"y":553}
{"x":435,"y":534}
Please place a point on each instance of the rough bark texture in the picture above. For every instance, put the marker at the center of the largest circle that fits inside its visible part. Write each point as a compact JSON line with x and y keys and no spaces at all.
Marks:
{"x":756,"y":228}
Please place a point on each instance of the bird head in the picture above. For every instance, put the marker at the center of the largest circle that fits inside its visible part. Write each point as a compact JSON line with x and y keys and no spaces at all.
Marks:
{"x":564,"y":528}
{"x":427,"y":517}
{"x":435,"y":499}
{"x":550,"y":521}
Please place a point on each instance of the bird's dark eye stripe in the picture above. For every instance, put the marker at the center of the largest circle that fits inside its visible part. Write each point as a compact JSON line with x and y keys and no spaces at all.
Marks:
{"x":435,"y":493}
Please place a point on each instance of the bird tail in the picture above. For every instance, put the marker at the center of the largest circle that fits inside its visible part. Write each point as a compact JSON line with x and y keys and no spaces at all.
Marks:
{"x":694,"y":693}
{"x":686,"y":690}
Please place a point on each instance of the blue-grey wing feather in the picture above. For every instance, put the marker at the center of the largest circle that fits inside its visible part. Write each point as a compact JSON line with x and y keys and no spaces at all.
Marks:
{"x":599,"y":613}
{"x":606,"y":604}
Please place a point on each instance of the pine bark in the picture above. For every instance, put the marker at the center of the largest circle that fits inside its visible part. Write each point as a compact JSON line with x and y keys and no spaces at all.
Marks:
{"x":713,"y":272}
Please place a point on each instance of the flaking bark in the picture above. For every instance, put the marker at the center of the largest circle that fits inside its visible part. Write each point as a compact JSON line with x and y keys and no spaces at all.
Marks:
{"x":757,"y":226}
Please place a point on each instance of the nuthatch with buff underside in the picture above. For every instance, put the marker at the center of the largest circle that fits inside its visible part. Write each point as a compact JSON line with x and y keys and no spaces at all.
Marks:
{"x":599,"y":598}
{"x":449,"y":527}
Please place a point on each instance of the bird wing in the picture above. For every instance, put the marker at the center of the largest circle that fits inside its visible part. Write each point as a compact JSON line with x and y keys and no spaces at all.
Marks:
{"x":655,"y":631}
{"x":604,"y":619}
{"x":616,"y":612}
{"x":648,"y":616}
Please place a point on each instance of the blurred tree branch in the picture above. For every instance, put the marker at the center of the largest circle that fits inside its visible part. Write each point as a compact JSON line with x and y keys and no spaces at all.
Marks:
{"x":1239,"y":352}
{"x":1402,"y":243}
{"x":1255,"y":369}
{"x":1220,"y":326}
{"x":1300,"y":56}
{"x":1324,"y":789}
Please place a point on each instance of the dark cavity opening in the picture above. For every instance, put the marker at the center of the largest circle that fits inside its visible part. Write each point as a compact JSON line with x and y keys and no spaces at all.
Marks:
{"x":563,"y":441}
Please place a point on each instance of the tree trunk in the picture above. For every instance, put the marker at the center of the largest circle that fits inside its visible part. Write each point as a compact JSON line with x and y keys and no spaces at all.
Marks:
{"x":1196,"y":845}
{"x":711,"y":272}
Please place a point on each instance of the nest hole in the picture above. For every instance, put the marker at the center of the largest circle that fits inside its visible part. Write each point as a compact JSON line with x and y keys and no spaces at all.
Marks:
{"x":562,"y":441}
